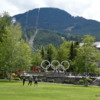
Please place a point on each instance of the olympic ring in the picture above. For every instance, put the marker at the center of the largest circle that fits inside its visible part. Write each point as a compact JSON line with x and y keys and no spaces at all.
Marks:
{"x":47,"y":65}
{"x":55,"y":65}
{"x":63,"y":66}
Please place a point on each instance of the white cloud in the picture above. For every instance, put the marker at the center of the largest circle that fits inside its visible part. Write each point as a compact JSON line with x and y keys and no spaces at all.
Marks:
{"x":93,"y":12}
{"x":86,"y":8}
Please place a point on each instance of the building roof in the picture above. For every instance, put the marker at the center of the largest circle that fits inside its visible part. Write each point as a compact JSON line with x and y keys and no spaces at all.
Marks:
{"x":96,"y":44}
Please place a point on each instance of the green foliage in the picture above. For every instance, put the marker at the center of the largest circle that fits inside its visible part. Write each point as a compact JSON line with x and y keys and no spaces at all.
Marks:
{"x":4,"y":22}
{"x":84,"y":81}
{"x":36,"y":58}
{"x":85,"y":61}
{"x":72,"y":54}
{"x":73,"y":51}
{"x":89,"y":79}
{"x":81,"y":81}
{"x":82,"y":58}
{"x":24,"y":56}
{"x":88,"y":40}
{"x":50,"y":52}
{"x":45,"y":37}
{"x":63,"y":51}
{"x":98,"y":55}
{"x":42,"y":52}
{"x":28,"y":32}
{"x":97,"y":71}
{"x":51,"y":80}
{"x":15,"y":53}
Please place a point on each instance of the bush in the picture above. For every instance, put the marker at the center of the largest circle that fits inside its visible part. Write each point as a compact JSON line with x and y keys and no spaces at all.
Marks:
{"x":3,"y":75}
{"x":89,"y":79}
{"x":67,"y":81}
{"x":51,"y":80}
{"x":17,"y":78}
{"x":80,"y":81}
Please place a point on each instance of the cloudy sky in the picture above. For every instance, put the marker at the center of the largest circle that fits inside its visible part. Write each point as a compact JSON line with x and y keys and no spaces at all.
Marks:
{"x":89,"y":9}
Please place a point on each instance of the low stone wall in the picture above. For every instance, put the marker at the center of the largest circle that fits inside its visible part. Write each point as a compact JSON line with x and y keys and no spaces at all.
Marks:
{"x":56,"y":77}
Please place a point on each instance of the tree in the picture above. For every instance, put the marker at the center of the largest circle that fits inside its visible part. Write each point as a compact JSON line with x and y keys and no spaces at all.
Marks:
{"x":23,"y":56}
{"x":88,"y":40}
{"x":85,"y":61}
{"x":50,"y":52}
{"x":42,"y":52}
{"x":4,"y":22}
{"x":36,"y":58}
{"x":72,"y":53}
{"x":63,"y":51}
{"x":15,"y":52}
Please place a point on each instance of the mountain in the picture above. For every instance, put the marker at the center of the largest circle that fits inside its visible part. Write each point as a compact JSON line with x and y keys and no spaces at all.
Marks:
{"x":57,"y":20}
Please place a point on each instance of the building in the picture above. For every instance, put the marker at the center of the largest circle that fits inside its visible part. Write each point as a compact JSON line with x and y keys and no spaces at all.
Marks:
{"x":97,"y":45}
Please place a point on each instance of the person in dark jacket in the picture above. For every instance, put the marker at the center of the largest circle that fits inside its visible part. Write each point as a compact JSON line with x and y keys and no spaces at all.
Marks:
{"x":24,"y":79}
{"x":30,"y":80}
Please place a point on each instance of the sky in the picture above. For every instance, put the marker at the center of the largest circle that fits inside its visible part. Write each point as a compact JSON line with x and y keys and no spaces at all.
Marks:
{"x":89,"y":9}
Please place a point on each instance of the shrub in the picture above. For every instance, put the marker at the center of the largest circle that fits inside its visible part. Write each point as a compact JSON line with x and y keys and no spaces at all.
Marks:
{"x":67,"y":81}
{"x":81,"y":81}
{"x":51,"y":80}
{"x":89,"y":79}
{"x":16,"y":78}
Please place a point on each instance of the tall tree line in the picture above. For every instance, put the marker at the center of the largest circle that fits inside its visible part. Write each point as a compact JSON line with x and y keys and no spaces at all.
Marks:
{"x":82,"y":59}
{"x":15,"y":53}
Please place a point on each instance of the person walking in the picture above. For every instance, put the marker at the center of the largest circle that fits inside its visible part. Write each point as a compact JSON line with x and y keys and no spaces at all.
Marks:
{"x":24,"y":79}
{"x":30,"y":80}
{"x":36,"y":82}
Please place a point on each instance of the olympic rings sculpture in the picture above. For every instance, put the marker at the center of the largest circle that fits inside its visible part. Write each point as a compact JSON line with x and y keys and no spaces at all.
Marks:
{"x":55,"y":65}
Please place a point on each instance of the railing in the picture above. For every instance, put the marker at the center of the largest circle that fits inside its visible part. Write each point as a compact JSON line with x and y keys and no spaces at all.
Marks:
{"x":56,"y":74}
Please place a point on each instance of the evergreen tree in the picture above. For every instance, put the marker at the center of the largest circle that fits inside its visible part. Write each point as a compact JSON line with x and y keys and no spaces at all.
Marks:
{"x":71,"y":57}
{"x":42,"y":52}
{"x":50,"y":52}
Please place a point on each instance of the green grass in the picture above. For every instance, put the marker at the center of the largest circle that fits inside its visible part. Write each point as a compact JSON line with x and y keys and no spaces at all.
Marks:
{"x":46,"y":91}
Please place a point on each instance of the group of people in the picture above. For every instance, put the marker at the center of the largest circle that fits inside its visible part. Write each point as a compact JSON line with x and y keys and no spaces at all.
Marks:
{"x":30,"y":80}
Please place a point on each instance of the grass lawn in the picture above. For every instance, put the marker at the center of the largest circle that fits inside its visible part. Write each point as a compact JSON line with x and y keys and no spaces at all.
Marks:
{"x":46,"y":91}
